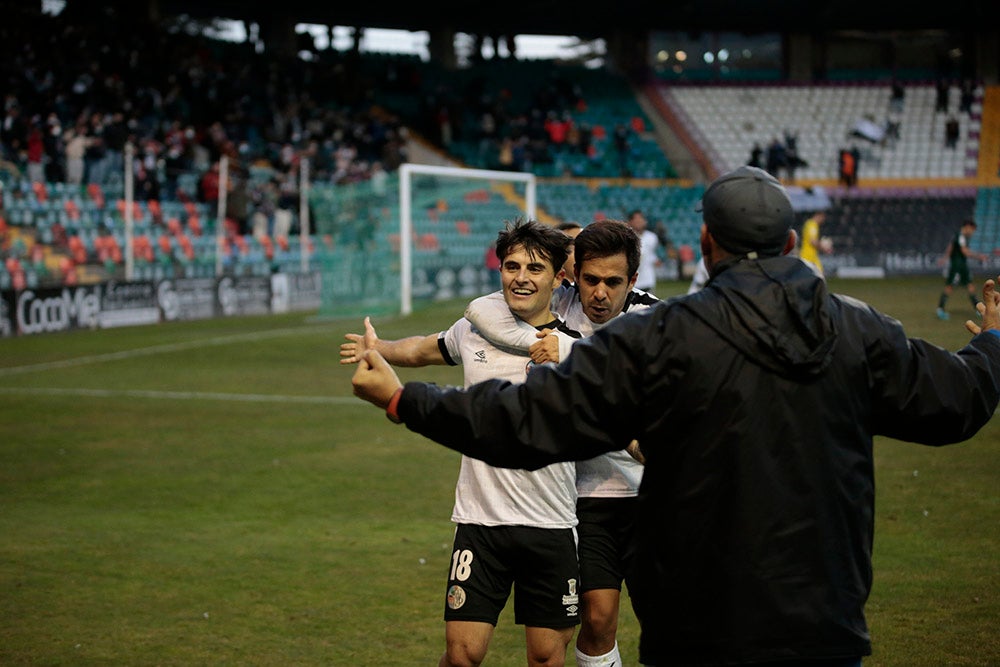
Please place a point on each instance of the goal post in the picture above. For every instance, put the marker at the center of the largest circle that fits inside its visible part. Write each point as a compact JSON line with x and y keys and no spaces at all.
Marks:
{"x":406,"y":174}
{"x":419,"y":234}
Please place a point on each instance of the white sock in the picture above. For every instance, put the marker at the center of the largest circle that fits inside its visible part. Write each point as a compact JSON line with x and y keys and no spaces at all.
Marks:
{"x":610,"y":659}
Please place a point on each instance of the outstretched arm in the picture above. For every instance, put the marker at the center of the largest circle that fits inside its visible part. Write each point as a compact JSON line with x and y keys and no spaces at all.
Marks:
{"x":969,"y":252}
{"x":412,"y":351}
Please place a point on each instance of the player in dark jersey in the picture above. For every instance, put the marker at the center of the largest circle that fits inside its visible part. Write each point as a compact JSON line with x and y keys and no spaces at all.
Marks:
{"x":957,"y":256}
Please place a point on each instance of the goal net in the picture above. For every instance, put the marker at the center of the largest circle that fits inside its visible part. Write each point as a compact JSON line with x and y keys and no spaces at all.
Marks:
{"x":422,"y":235}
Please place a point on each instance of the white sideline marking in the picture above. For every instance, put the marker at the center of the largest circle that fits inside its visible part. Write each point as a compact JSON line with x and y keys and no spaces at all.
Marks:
{"x":177,"y":395}
{"x":146,"y":351}
{"x":182,"y":395}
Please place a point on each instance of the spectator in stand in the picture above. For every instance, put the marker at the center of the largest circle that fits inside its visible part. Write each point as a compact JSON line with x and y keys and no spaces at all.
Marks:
{"x":238,"y":203}
{"x":55,"y":167}
{"x":75,"y":143}
{"x":951,"y":132}
{"x":147,"y":173}
{"x":848,"y":166}
{"x":792,"y":158}
{"x":208,"y":186}
{"x":967,"y":96}
{"x":115,"y":137}
{"x":13,"y":131}
{"x":622,"y":143}
{"x":756,"y":153}
{"x":943,"y":96}
{"x":288,"y":200}
{"x":776,"y":157}
{"x":897,"y":97}
{"x":95,"y":155}
{"x":36,"y":153}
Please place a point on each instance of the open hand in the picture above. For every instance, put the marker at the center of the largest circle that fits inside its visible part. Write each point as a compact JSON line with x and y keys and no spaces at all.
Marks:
{"x":351,"y":352}
{"x":989,"y":310}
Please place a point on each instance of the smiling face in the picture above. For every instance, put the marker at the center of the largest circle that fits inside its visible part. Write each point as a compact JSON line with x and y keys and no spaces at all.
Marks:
{"x":528,"y":281}
{"x":604,"y":286}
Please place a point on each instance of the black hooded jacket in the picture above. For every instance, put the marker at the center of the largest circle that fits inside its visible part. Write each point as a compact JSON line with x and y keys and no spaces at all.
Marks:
{"x":755,"y":402}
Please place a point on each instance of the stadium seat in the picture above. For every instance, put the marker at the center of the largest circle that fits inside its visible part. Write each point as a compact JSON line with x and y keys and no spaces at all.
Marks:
{"x":96,"y":194}
{"x":67,"y":269}
{"x":16,"y":272}
{"x":153,"y":206}
{"x":267,"y":245}
{"x":40,"y":191}
{"x":186,"y":247}
{"x":77,"y":249}
{"x":142,"y":248}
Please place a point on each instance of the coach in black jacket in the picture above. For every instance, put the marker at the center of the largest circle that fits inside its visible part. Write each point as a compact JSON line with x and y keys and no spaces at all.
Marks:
{"x":755,"y":402}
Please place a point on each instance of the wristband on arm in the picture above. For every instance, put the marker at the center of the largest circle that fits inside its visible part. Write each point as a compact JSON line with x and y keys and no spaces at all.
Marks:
{"x":392,"y":410}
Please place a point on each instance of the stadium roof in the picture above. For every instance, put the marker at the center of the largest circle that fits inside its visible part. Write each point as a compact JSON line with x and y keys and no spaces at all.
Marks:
{"x":552,"y":17}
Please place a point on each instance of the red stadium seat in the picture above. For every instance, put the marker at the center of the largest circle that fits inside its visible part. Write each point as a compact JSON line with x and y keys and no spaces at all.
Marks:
{"x":164,"y":242}
{"x":68,"y":270}
{"x":428,"y":241}
{"x":77,"y":249}
{"x":41,"y":192}
{"x":267,"y":244}
{"x":142,"y":248}
{"x":187,"y":248}
{"x":96,"y":194}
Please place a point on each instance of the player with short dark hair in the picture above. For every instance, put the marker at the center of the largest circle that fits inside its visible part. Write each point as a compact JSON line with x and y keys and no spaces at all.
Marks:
{"x":607,"y":261}
{"x":513,"y":527}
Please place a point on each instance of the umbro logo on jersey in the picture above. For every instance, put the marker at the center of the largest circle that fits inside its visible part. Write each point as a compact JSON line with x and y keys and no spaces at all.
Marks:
{"x":481,"y":357}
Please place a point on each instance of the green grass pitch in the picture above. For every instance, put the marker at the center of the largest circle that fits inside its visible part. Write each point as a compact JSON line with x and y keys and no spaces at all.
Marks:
{"x":211,"y":493}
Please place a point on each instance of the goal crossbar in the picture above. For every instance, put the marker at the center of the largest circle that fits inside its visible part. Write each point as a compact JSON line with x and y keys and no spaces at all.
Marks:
{"x":406,"y":173}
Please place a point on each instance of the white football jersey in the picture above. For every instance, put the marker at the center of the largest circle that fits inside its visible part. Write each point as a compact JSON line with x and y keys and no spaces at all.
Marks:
{"x":490,"y":496}
{"x":615,"y":474}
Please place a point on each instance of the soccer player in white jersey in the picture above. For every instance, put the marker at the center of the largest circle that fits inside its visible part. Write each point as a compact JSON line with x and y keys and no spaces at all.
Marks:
{"x":514,"y":527}
{"x":607,"y":258}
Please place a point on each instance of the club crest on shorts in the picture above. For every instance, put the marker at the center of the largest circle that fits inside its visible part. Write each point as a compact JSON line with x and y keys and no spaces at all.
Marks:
{"x":571,"y":600}
{"x":456,"y":597}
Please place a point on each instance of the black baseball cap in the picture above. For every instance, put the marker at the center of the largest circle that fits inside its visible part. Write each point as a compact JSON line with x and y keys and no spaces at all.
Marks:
{"x":748,"y":211}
